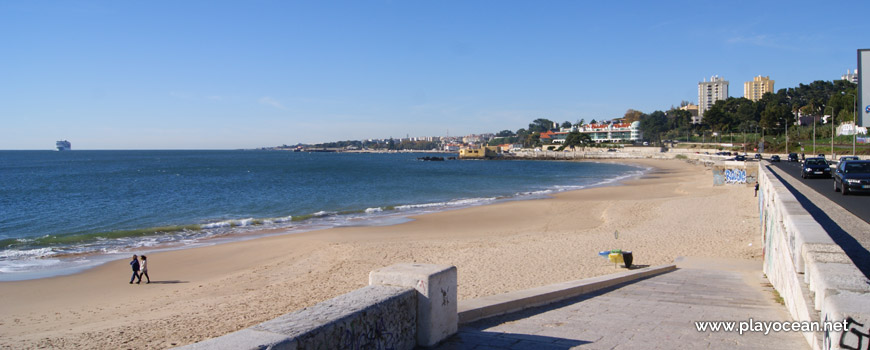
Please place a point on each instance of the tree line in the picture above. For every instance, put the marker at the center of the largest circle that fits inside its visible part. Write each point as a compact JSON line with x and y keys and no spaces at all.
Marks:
{"x":773,"y":113}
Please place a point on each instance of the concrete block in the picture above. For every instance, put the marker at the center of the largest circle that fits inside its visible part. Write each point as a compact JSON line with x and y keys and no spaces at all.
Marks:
{"x":436,"y":285}
{"x":809,"y":241}
{"x":854,"y":309}
{"x":831,"y":278}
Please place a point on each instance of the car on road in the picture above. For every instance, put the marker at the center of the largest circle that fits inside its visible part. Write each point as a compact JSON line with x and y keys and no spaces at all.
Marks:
{"x":852,"y":176}
{"x":815,"y":167}
{"x":792,"y":157}
{"x":740,"y":158}
{"x":845,"y":158}
{"x":758,"y":156}
{"x":774,"y":158}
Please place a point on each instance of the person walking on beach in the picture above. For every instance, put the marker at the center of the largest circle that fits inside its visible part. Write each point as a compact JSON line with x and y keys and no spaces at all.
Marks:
{"x":144,"y":270}
{"x":135,"y":265}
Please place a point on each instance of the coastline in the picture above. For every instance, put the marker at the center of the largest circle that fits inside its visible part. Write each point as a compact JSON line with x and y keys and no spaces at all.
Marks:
{"x":208,"y":291}
{"x":44,"y":260}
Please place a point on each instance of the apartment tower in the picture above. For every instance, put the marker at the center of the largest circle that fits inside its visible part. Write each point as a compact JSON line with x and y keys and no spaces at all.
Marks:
{"x":709,"y":92}
{"x":756,"y":88}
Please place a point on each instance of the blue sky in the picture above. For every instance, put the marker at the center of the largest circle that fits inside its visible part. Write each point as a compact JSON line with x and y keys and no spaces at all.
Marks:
{"x":245,"y":74}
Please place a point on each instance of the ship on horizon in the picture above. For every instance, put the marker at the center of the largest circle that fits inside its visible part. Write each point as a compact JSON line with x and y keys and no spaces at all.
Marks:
{"x":63,"y":145}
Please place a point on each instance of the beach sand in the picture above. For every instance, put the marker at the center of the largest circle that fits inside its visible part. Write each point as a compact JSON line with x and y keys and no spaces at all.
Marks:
{"x":206,"y":292}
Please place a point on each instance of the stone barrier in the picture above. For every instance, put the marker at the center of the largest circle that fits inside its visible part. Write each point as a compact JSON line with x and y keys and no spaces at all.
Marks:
{"x":814,"y":276}
{"x":404,"y":306}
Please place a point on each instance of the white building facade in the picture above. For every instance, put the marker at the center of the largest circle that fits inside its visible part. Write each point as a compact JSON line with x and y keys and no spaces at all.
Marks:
{"x":709,"y":92}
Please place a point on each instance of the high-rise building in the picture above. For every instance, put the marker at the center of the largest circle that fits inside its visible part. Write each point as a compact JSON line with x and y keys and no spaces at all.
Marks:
{"x":709,"y":92}
{"x":756,"y":88}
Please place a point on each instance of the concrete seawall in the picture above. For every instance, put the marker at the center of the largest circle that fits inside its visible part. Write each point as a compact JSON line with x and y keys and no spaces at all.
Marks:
{"x":404,"y":306}
{"x":814,"y":276}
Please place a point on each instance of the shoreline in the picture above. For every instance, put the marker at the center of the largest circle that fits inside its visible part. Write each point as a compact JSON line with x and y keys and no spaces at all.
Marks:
{"x":78,"y":262}
{"x":673,"y":210}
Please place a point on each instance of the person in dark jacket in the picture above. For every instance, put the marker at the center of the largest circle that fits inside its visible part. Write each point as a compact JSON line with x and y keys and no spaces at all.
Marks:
{"x":135,"y":265}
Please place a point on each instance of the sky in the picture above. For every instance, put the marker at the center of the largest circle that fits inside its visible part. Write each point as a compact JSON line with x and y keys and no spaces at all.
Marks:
{"x":249,"y":74}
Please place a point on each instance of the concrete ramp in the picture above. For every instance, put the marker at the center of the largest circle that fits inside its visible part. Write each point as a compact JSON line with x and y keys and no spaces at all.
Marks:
{"x":658,"y":312}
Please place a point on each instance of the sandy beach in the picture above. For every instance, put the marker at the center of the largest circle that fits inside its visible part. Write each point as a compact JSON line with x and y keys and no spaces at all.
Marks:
{"x":196,"y":294}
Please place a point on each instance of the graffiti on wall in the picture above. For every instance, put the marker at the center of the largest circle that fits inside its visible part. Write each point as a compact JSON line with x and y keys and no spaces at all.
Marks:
{"x":735,"y":176}
{"x":732,"y":177}
{"x":856,"y":336}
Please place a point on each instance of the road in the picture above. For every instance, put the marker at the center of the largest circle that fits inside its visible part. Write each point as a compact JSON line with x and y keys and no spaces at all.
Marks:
{"x":856,"y":203}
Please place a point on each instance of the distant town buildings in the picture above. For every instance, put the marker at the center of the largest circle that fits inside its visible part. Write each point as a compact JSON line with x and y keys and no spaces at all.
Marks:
{"x":851,"y":76}
{"x":709,"y":92}
{"x":693,"y":110}
{"x":756,"y":88}
{"x":603,"y":132}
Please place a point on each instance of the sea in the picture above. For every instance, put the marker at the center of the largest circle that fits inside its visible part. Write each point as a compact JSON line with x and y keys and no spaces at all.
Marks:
{"x":63,"y":212}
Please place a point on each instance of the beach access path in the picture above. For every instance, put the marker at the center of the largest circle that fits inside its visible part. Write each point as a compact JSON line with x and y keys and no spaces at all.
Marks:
{"x":201,"y":293}
{"x":658,"y":312}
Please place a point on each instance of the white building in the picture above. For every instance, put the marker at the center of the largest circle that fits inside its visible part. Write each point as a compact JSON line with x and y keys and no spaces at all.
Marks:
{"x":605,"y":132}
{"x":709,"y":92}
{"x":851,"y":76}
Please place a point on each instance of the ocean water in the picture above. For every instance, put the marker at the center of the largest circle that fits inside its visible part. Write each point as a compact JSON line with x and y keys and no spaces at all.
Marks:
{"x":61,"y":212}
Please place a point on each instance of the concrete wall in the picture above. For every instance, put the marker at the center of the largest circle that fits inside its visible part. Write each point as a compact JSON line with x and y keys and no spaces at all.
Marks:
{"x":374,"y":317}
{"x":734,"y":172}
{"x":814,"y":276}
{"x":404,"y":306}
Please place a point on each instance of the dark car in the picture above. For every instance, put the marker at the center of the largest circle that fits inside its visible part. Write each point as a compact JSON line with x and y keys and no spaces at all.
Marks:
{"x":815,"y":167}
{"x":852,"y":176}
{"x":758,"y":156}
{"x":845,"y":158}
{"x":774,"y":158}
{"x":792,"y":157}
{"x":740,"y":158}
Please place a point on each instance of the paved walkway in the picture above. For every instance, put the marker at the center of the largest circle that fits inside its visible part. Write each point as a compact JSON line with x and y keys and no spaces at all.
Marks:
{"x":654,"y":313}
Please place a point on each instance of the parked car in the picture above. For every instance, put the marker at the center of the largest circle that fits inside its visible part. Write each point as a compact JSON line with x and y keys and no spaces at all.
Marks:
{"x":845,"y":158}
{"x":821,"y":155}
{"x":774,"y":158}
{"x":815,"y":167}
{"x":792,"y":157}
{"x":852,"y":176}
{"x":740,"y":158}
{"x":758,"y":156}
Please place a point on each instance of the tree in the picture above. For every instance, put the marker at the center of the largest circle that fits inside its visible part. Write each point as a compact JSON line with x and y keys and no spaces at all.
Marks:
{"x":581,"y":122}
{"x":533,"y":140}
{"x":775,"y":117}
{"x":541,"y":125}
{"x":567,"y":125}
{"x":576,"y":138}
{"x":593,"y":122}
{"x":679,"y":118}
{"x":631,"y":116}
{"x":505,"y":133}
{"x":716,"y":117}
{"x":654,"y":125}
